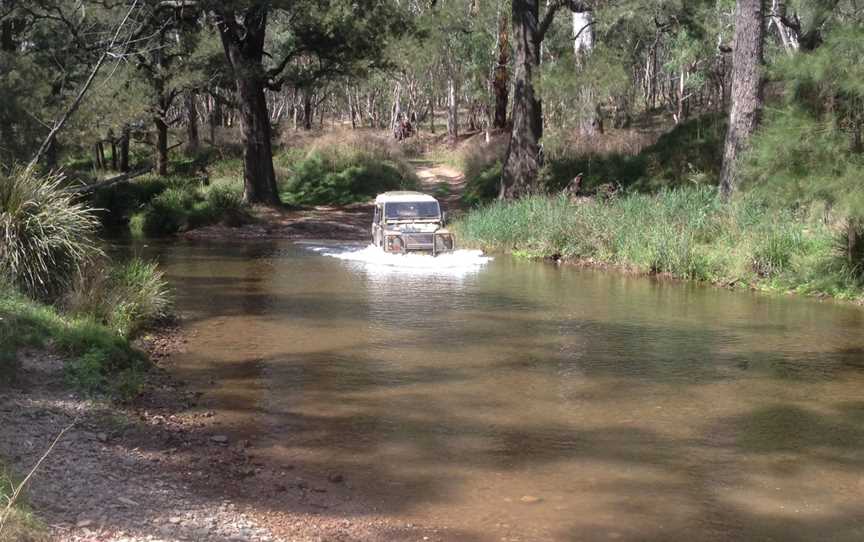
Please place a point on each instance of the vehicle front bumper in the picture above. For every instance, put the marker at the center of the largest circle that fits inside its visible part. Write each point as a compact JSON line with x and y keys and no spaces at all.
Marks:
{"x":420,"y":242}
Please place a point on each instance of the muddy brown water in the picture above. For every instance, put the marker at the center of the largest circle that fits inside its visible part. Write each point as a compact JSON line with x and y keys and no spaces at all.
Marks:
{"x":524,"y":401}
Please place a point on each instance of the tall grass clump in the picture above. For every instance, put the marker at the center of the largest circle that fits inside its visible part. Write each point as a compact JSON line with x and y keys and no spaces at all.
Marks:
{"x":686,"y":233}
{"x":46,"y":234}
{"x":343,"y":168}
{"x":125,"y":297}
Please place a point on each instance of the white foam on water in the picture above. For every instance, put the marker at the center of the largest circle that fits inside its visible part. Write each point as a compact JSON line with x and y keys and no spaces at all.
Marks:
{"x":457,"y":262}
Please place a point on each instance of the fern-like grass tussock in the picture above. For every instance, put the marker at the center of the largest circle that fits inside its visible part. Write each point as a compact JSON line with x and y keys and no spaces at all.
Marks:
{"x":46,"y":234}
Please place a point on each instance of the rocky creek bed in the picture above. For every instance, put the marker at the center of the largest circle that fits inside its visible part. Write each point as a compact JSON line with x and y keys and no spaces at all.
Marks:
{"x":159,"y":469}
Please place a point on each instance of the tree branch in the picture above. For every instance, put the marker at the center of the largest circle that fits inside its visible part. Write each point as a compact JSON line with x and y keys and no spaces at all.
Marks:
{"x":78,"y":99}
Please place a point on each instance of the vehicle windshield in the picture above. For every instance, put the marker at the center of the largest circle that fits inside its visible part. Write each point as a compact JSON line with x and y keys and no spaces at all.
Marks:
{"x":407,"y":210}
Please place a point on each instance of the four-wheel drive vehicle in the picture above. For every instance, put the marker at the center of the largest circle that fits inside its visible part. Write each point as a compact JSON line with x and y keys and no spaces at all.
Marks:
{"x":408,"y":222}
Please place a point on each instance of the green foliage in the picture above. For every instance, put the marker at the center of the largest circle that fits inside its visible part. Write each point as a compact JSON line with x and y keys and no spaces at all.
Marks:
{"x":125,"y":297}
{"x":690,"y":152}
{"x":686,"y":233}
{"x":807,"y":150}
{"x":97,"y":351}
{"x":319,"y":181}
{"x":46,"y":235}
{"x":185,"y":205}
{"x":344,"y":171}
{"x":572,"y":89}
{"x":226,"y":204}
{"x":483,"y":186}
{"x":117,"y":203}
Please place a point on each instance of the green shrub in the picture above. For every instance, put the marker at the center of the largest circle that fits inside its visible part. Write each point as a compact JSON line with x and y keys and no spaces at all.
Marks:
{"x":344,"y":169}
{"x":46,"y":235}
{"x":167,"y":213}
{"x":320,"y":180}
{"x":226,"y":205}
{"x":117,"y":203}
{"x":484,"y":186}
{"x":185,"y":205}
{"x":124,"y":297}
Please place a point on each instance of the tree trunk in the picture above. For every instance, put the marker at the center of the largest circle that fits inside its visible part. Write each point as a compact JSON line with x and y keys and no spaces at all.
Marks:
{"x":113,"y":141}
{"x":123,"y":165}
{"x":452,"y":111}
{"x":746,"y":89}
{"x":788,"y":36}
{"x":352,"y":111}
{"x":396,"y":110}
{"x":161,"y":145}
{"x":308,"y":112}
{"x":193,"y":143}
{"x":501,"y":75}
{"x":432,"y":109}
{"x":98,"y":155}
{"x":244,"y":50}
{"x":522,"y":162}
{"x":583,"y":45}
{"x":7,"y":35}
{"x":583,"y":33}
{"x":216,"y":118}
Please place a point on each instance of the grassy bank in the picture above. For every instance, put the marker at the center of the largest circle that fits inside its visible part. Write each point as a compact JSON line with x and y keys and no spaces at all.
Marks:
{"x":100,"y":359}
{"x":686,"y":233}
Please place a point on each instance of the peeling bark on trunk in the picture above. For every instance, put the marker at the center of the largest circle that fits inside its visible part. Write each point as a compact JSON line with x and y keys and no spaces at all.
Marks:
{"x":522,"y":162}
{"x":746,"y":107}
{"x":244,"y":50}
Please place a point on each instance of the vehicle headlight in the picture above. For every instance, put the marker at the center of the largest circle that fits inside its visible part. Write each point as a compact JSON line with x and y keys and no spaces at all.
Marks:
{"x":444,"y":242}
{"x":394,"y":243}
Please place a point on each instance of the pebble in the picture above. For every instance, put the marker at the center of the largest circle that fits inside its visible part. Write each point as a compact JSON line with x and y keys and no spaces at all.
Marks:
{"x":530,"y":499}
{"x":219,"y":439}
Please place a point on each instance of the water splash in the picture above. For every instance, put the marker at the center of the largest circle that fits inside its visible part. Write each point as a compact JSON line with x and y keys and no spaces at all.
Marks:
{"x":456,"y":262}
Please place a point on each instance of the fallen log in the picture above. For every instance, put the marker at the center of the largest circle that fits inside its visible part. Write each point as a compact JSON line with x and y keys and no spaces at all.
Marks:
{"x":86,"y":188}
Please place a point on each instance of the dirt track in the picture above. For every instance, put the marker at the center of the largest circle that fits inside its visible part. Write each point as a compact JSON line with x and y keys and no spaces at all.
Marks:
{"x":344,"y":223}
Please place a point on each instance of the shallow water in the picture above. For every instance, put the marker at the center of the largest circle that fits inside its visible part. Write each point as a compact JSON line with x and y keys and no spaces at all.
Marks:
{"x":524,"y":401}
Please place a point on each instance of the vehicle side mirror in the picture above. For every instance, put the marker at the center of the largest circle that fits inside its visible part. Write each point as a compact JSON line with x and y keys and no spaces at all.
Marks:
{"x":444,"y":217}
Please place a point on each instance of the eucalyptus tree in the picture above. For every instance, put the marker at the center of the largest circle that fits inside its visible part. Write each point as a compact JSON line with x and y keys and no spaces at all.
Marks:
{"x":522,"y":162}
{"x":311,"y":39}
{"x":746,"y":109}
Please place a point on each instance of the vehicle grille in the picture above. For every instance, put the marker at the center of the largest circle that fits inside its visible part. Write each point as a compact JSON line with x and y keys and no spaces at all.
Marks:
{"x":418,"y":240}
